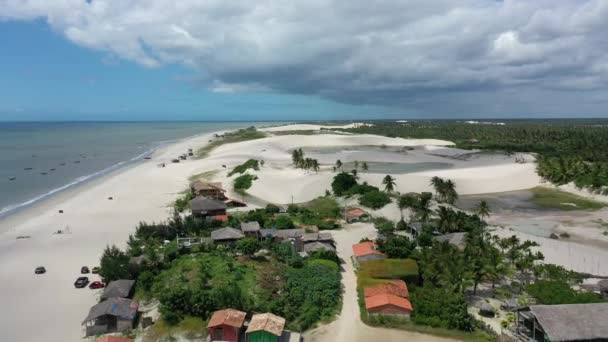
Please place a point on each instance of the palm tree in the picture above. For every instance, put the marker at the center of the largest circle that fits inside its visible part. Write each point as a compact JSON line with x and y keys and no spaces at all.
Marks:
{"x":364,"y":166}
{"x":315,"y":165}
{"x":450,"y":191}
{"x":482,"y":209}
{"x":356,"y":165}
{"x":339,"y":164}
{"x":437,"y":184}
{"x":389,"y":183}
{"x":354,"y":172}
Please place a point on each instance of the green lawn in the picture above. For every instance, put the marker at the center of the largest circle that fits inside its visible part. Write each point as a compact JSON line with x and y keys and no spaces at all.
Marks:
{"x":378,"y":271}
{"x":245,"y":134}
{"x":557,"y":199}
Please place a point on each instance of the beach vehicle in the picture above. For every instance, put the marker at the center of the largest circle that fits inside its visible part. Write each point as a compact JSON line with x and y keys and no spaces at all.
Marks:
{"x":95,"y":269}
{"x":84,"y":270}
{"x":81,"y":282}
{"x":97,"y":285}
{"x":40,"y":270}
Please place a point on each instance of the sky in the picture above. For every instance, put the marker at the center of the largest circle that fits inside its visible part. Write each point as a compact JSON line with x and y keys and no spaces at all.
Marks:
{"x":302,"y":59}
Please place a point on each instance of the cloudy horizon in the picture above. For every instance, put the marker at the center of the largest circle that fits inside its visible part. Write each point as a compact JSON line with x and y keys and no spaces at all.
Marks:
{"x":314,"y":59}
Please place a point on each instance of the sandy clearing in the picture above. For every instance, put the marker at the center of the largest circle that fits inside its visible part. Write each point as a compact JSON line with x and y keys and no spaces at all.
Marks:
{"x":310,"y":127}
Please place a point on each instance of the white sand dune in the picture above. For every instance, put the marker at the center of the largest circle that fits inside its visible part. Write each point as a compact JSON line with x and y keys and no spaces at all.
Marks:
{"x":311,"y":127}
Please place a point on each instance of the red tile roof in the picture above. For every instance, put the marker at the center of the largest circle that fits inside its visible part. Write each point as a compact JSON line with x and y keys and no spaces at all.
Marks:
{"x":355,"y":213}
{"x":114,"y":339}
{"x":387,"y":299}
{"x":223,"y":218}
{"x":231,"y":317}
{"x":393,"y":287}
{"x":365,"y":248}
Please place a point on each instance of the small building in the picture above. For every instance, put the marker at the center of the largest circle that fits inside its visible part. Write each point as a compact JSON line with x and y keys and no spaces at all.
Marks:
{"x":208,"y":189}
{"x":566,"y":322}
{"x":207,"y":207}
{"x":415,"y":228}
{"x":233,"y":203}
{"x":320,"y":237}
{"x":356,"y":215}
{"x":457,"y":240}
{"x":284,"y":234}
{"x":112,"y":315}
{"x":251,"y":229}
{"x":388,"y":304}
{"x":122,"y":288}
{"x":365,"y":251}
{"x":225,"y":325}
{"x":318,"y":246}
{"x":226,"y":235}
{"x":393,"y":287}
{"x":110,"y":338}
{"x":265,"y":327}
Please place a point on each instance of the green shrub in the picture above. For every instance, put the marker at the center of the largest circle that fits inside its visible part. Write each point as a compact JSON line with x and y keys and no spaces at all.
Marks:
{"x":552,"y":292}
{"x":249,"y":164}
{"x":283,"y":222}
{"x":244,"y":182}
{"x":342,"y":183}
{"x":374,"y":199}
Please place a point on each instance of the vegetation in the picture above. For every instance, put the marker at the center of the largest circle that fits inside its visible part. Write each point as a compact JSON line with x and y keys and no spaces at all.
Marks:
{"x":374,"y":199}
{"x":301,"y":162}
{"x":249,"y":164}
{"x":183,"y":202}
{"x":559,"y":292}
{"x":389,"y":183}
{"x":445,"y":190}
{"x":342,"y":183}
{"x":569,"y":150}
{"x":114,"y":265}
{"x":250,"y":133}
{"x":553,"y":198}
{"x":244,"y":182}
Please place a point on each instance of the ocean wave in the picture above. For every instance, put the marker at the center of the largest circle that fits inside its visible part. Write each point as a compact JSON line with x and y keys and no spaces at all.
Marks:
{"x":7,"y":210}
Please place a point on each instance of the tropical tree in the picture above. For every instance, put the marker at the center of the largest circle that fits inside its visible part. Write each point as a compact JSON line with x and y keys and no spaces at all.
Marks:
{"x":339,"y":164}
{"x":389,"y":183}
{"x":437,"y":184}
{"x":315,"y":165}
{"x":364,"y":167}
{"x":450,"y":191}
{"x":482,"y":209}
{"x":356,"y":165}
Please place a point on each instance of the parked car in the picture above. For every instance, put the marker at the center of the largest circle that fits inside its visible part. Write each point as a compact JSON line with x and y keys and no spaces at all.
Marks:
{"x":97,"y":285}
{"x":95,"y":269}
{"x":40,"y":270}
{"x":84,"y":270}
{"x":81,"y":282}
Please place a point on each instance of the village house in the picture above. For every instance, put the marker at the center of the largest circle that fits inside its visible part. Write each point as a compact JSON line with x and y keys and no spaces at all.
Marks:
{"x":122,"y":288}
{"x":566,"y":322}
{"x":226,"y":235}
{"x":457,"y":240}
{"x":110,"y":338}
{"x":265,"y":327}
{"x":208,"y":189}
{"x":388,"y":304}
{"x":318,"y":246}
{"x":365,"y":251}
{"x":393,"y":287}
{"x":208,"y":208}
{"x":112,"y":315}
{"x":356,"y":215}
{"x":251,"y":229}
{"x":225,"y":325}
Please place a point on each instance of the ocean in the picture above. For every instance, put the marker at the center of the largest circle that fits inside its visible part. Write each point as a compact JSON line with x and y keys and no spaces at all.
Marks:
{"x":40,"y":159}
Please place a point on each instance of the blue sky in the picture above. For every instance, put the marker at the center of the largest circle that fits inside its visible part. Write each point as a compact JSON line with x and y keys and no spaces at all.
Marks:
{"x":302,"y":59}
{"x":45,"y":77}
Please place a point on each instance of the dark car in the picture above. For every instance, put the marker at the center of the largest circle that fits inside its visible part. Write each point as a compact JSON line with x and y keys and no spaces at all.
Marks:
{"x":40,"y":270}
{"x":95,"y":270}
{"x":97,"y":285}
{"x":84,"y":270}
{"x":81,"y":282}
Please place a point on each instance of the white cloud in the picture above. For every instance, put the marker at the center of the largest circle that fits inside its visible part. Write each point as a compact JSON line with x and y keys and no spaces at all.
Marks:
{"x":356,"y":51}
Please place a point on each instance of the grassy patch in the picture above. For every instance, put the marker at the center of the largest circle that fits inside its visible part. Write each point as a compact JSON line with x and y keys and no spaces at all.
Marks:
{"x":557,"y":199}
{"x":375,"y":272}
{"x":189,"y":327}
{"x":245,"y":134}
{"x":296,"y":132}
{"x":249,"y":164}
{"x":244,"y":182}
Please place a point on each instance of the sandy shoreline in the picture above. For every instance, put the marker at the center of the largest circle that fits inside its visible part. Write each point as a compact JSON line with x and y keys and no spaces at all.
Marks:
{"x":144,"y":191}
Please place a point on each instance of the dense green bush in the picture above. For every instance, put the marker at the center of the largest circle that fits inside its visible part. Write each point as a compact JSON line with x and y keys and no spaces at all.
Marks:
{"x":244,"y":182}
{"x":375,"y":199}
{"x":396,"y":246}
{"x":282,"y":222}
{"x":115,"y":265}
{"x":552,"y":292}
{"x":342,"y":183}
{"x":438,"y":307}
{"x":249,"y":164}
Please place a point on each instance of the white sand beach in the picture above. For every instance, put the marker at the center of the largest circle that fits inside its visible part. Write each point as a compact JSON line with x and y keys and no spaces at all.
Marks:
{"x":143,"y":192}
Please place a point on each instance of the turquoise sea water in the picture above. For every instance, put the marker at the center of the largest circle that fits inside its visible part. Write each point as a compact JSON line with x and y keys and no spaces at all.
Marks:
{"x":38,"y":160}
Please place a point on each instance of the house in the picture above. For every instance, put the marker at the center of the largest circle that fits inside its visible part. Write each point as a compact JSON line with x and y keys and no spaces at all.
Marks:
{"x":187,"y":242}
{"x":393,"y":287}
{"x":225,"y":325}
{"x":251,"y":229}
{"x":265,"y":327}
{"x":415,"y":228}
{"x":318,"y":246}
{"x":208,"y":189}
{"x":226,"y":235}
{"x":365,"y":251}
{"x":566,"y":322}
{"x":388,"y":304}
{"x":320,"y":237}
{"x":455,"y":239}
{"x":355,"y":215}
{"x":207,"y":207}
{"x":232,"y":203}
{"x":122,"y":288}
{"x":110,"y":338}
{"x":112,"y":315}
